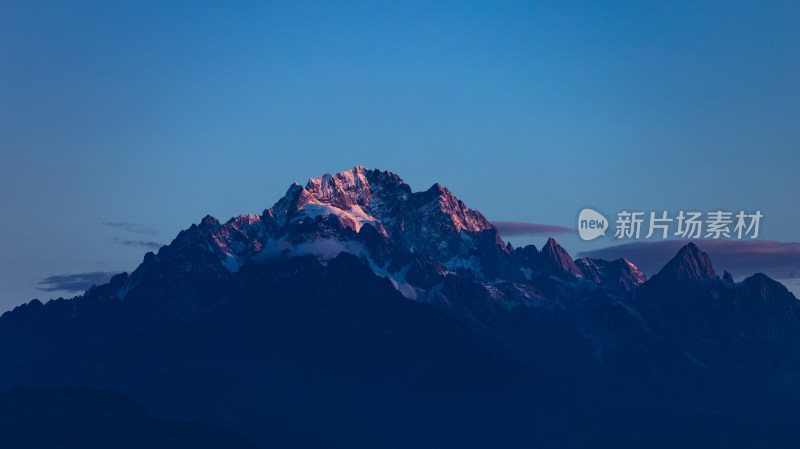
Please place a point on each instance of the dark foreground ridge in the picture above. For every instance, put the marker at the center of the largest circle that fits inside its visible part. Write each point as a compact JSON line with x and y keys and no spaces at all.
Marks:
{"x":358,"y":313}
{"x":86,"y":417}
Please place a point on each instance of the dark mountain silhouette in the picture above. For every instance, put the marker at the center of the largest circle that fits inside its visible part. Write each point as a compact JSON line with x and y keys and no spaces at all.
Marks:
{"x":358,"y":313}
{"x":87,"y":417}
{"x":690,"y":264}
{"x":557,"y":260}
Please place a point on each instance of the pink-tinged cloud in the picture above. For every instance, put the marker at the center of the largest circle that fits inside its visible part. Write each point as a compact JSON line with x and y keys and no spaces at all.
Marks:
{"x":778,"y":260}
{"x":519,"y":229}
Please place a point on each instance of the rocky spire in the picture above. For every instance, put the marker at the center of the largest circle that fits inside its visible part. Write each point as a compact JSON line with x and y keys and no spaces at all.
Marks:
{"x":689,"y":264}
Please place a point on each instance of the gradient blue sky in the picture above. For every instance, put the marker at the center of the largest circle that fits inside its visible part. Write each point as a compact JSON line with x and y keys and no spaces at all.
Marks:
{"x":157,"y":113}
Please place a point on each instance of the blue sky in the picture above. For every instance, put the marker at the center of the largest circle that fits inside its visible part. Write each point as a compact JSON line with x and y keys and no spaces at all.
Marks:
{"x":157,"y":113}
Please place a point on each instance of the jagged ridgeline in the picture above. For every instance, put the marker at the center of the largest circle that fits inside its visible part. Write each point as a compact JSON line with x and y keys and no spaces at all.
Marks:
{"x":356,"y":312}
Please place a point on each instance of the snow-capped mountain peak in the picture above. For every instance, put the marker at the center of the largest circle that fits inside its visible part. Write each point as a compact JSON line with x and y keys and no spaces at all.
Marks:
{"x":374,"y":215}
{"x":342,"y":190}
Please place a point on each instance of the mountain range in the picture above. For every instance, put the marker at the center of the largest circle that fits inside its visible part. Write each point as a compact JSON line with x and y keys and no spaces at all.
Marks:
{"x":356,"y":312}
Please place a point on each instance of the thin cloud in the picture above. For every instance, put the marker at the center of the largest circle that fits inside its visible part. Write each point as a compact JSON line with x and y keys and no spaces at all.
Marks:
{"x":131,"y":227}
{"x":779,"y":260}
{"x":520,"y":229}
{"x":71,"y":283}
{"x":138,"y":243}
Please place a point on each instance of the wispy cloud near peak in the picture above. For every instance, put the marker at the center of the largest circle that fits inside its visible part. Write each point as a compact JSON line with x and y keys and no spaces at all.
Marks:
{"x":139,"y":243}
{"x":519,"y":229}
{"x":131,"y":227}
{"x":73,"y":283}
